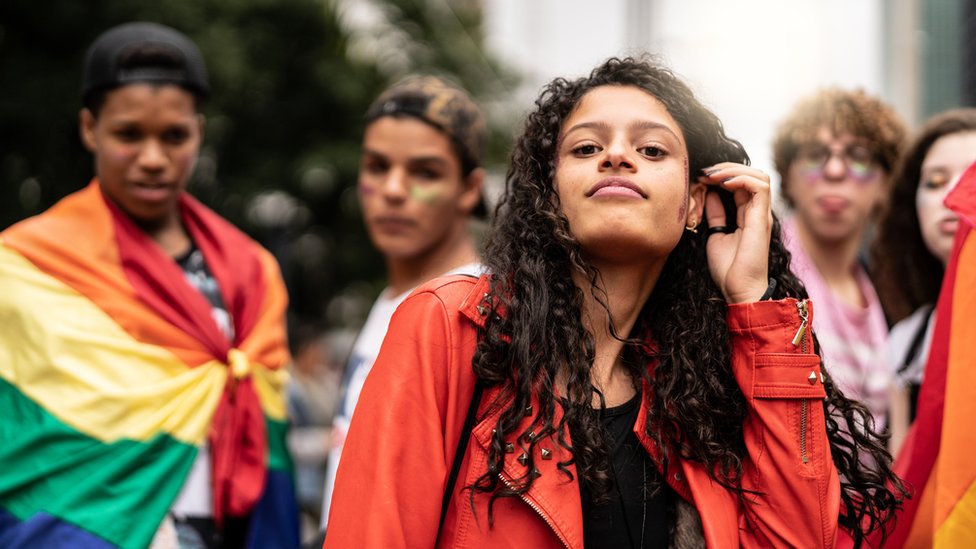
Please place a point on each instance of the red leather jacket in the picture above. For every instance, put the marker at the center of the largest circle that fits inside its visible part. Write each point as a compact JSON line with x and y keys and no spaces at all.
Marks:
{"x":406,"y":429}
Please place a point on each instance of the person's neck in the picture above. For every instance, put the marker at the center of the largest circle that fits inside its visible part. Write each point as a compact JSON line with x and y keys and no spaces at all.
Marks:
{"x":407,"y":273}
{"x":626,"y":291}
{"x":170,"y":235}
{"x":837,"y":263}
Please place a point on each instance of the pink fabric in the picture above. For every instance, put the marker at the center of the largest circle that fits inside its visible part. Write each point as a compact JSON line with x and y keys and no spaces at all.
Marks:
{"x":852,"y":339}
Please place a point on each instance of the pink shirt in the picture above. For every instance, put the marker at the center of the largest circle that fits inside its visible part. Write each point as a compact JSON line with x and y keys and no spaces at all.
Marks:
{"x":852,"y":339}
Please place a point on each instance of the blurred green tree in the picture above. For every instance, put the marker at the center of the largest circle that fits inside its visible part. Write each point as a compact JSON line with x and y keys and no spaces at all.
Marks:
{"x":290,"y":80}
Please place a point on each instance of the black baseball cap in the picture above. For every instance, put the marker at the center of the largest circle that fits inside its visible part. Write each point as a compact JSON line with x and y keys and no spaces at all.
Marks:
{"x":178,"y":60}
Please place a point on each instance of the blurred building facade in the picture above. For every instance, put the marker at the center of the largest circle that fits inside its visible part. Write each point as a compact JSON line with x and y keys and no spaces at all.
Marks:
{"x":751,"y":60}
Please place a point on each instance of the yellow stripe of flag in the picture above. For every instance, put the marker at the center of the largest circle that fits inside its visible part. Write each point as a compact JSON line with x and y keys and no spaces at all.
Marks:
{"x":72,"y":359}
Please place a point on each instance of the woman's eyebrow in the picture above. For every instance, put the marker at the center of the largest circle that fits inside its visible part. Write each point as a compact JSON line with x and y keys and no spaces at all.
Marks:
{"x":645,"y":125}
{"x":597,"y":125}
{"x":640,"y":125}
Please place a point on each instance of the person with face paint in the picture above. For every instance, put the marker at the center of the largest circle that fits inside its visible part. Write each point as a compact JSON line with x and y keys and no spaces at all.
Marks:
{"x":915,"y":237}
{"x":143,"y":349}
{"x":420,"y":182}
{"x":635,"y":369}
{"x":835,"y":153}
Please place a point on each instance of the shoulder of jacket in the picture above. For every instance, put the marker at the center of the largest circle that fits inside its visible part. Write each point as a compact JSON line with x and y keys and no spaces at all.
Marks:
{"x":462,"y":293}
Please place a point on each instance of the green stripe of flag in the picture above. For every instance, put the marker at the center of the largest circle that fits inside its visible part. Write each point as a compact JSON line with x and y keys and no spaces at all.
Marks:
{"x":278,"y":457}
{"x":119,"y":491}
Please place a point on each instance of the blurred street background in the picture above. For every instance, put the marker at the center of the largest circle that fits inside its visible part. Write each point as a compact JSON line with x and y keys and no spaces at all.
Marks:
{"x":292,"y":78}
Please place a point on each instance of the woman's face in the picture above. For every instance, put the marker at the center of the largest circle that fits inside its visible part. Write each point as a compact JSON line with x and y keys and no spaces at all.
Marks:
{"x":622,"y":176}
{"x":948,"y":157}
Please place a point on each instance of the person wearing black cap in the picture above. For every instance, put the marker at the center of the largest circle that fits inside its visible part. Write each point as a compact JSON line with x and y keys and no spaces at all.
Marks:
{"x":420,"y":182}
{"x":143,"y":393}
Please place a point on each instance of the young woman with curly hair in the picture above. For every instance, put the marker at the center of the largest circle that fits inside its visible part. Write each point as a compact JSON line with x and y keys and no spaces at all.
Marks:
{"x":913,"y":245}
{"x":637,"y":371}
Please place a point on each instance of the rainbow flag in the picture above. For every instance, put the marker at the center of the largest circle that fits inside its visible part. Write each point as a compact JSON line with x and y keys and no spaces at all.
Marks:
{"x":937,"y":459}
{"x":113,"y":374}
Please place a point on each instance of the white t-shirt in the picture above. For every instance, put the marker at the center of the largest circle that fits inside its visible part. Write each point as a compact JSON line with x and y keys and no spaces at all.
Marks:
{"x":901,"y":338}
{"x":364,"y":353}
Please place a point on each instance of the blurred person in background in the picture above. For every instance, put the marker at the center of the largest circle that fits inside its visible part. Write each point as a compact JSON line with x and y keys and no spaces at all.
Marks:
{"x":637,"y":370}
{"x":313,"y":395}
{"x":143,"y":349}
{"x":915,"y":237}
{"x":835,"y":153}
{"x":420,"y":183}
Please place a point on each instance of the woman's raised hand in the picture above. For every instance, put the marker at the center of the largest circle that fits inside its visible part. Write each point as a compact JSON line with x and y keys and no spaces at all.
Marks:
{"x":739,"y":260}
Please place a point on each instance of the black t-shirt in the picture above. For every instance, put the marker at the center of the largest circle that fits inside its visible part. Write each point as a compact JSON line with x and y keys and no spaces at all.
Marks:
{"x":637,"y":514}
{"x":198,"y":275}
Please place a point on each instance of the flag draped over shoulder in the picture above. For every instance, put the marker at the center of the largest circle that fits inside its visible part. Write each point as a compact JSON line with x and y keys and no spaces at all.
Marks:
{"x":937,"y":459}
{"x":113,"y":373}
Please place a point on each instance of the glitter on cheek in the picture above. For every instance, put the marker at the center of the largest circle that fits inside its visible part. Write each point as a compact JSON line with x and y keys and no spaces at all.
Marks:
{"x":683,"y":210}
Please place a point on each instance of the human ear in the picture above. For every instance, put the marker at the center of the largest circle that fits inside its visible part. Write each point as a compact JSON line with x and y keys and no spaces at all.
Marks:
{"x":472,"y":192}
{"x":86,"y":129}
{"x":696,"y":203}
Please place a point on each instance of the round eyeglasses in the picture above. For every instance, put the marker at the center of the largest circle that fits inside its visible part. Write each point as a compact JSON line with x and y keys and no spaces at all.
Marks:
{"x":860,"y":161}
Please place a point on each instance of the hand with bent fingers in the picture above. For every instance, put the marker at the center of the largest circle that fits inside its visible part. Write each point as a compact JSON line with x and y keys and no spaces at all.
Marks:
{"x":739,"y":261}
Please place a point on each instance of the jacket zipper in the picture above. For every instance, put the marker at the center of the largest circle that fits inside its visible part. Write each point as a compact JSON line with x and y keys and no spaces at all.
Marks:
{"x":537,"y":510}
{"x":800,"y":340}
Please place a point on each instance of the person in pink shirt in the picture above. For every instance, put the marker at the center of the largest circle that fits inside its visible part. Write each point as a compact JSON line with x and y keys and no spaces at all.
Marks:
{"x":835,"y":153}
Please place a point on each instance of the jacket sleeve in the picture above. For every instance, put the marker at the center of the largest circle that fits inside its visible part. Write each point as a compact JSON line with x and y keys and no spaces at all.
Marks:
{"x":794,"y":496}
{"x":394,"y":465}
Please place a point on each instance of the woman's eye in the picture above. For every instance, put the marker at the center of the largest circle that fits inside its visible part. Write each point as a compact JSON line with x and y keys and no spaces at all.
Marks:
{"x":652,"y":151}
{"x":935,"y":181}
{"x":585,"y":150}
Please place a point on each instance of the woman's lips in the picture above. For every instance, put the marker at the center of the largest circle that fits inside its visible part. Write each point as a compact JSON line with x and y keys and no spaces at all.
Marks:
{"x":949,"y":226}
{"x":616,"y":186}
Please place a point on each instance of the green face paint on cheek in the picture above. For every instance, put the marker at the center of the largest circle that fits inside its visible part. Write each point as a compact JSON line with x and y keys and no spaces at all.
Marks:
{"x":426,"y":194}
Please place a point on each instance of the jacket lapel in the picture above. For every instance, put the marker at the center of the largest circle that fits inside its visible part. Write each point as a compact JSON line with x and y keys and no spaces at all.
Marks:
{"x":554,"y":496}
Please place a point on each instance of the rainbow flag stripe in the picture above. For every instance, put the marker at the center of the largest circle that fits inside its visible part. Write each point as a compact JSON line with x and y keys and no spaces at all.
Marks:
{"x":113,"y":375}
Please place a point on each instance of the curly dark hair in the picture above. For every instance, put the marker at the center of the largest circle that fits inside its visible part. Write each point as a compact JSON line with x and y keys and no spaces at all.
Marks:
{"x":842,"y":111}
{"x":697,"y":409}
{"x":906,"y":273}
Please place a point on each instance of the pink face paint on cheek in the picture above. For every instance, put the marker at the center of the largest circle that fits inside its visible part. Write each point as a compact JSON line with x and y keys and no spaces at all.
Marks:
{"x":365,"y":189}
{"x":122,"y":154}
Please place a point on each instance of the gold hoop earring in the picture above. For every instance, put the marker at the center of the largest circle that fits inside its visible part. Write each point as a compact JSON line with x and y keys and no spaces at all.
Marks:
{"x":692,"y":229}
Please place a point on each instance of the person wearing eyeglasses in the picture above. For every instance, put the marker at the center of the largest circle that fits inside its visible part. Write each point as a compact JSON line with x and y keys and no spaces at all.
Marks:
{"x":835,"y":153}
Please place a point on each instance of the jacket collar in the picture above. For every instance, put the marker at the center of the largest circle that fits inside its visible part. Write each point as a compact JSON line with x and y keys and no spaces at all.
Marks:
{"x":476,"y":305}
